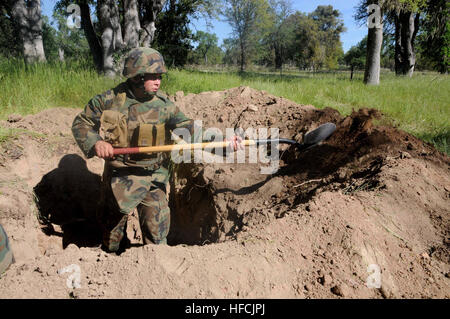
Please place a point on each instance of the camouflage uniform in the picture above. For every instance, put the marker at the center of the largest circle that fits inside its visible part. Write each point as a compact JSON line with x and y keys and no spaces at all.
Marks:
{"x":138,"y":180}
{"x":6,"y":255}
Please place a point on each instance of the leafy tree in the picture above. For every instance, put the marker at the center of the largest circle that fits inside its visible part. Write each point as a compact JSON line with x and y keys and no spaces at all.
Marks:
{"x":71,"y":42}
{"x":403,"y":19}
{"x":231,"y":54}
{"x":281,"y":31}
{"x":434,"y":41}
{"x":50,"y":40}
{"x":313,"y":40}
{"x":120,"y":25}
{"x":356,"y":56}
{"x":306,"y":49}
{"x":10,"y":44}
{"x":173,"y":38}
{"x":207,"y":45}
{"x":330,"y":27}
{"x":248,"y":20}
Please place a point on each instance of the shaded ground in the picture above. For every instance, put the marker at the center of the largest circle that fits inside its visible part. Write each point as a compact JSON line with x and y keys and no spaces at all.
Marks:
{"x":368,"y":197}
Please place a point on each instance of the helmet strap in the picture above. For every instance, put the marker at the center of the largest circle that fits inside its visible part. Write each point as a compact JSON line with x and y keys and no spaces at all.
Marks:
{"x":140,"y":85}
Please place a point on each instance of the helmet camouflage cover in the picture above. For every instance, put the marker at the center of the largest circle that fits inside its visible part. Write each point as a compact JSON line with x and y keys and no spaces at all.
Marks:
{"x":143,"y":60}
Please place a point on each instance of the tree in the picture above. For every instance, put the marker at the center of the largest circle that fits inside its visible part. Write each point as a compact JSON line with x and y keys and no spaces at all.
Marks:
{"x":281,"y":33}
{"x":91,"y":31}
{"x":111,"y":37}
{"x":50,"y":40}
{"x":230,"y":46}
{"x":149,"y":9}
{"x":131,"y":22}
{"x":306,"y":49}
{"x":174,"y":37}
{"x":406,"y":27}
{"x":314,"y":39}
{"x":246,"y":19}
{"x":434,"y":41}
{"x":356,"y":56}
{"x":330,"y":27}
{"x":122,"y":25}
{"x":10,"y":44}
{"x":28,"y":17}
{"x":405,"y":17}
{"x":71,"y":42}
{"x":206,"y":42}
{"x":374,"y":43}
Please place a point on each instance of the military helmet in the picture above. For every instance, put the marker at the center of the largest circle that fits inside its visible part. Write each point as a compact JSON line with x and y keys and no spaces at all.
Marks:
{"x":143,"y":60}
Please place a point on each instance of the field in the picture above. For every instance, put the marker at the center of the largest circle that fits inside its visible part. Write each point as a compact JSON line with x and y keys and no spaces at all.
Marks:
{"x":419,"y":106}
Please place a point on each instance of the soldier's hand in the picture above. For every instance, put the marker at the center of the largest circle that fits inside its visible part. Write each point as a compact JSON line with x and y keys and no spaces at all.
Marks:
{"x":104,"y":149}
{"x":235,"y":143}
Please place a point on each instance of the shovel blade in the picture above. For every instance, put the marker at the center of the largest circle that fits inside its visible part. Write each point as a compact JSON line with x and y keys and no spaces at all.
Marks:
{"x":319,"y":134}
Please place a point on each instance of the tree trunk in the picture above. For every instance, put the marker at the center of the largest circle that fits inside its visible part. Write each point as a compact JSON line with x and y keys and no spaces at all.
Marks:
{"x":107,"y":38}
{"x":132,"y":25}
{"x":406,"y":27}
{"x":28,"y":16}
{"x":242,"y":56}
{"x":147,"y":34}
{"x":61,"y":54}
{"x":374,"y":43}
{"x":89,"y":32}
{"x":115,"y":24}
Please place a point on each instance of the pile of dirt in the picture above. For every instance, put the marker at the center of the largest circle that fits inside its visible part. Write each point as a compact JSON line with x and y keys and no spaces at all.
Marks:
{"x":363,"y":215}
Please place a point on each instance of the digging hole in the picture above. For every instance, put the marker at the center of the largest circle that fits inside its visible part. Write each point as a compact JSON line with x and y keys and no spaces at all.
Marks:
{"x":68,"y":196}
{"x":193,"y":211}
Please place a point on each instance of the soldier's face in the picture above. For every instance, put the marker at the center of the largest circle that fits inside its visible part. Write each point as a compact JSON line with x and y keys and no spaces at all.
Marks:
{"x":152,"y":82}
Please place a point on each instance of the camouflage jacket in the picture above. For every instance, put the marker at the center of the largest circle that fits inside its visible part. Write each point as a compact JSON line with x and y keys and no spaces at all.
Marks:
{"x":158,"y":110}
{"x":129,"y":185}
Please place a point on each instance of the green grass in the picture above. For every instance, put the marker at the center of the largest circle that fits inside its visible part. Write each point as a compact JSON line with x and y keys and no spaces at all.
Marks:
{"x":419,"y":105}
{"x":31,"y":89}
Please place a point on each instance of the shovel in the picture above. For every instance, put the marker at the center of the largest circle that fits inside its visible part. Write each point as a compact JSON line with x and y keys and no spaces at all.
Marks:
{"x":310,"y":139}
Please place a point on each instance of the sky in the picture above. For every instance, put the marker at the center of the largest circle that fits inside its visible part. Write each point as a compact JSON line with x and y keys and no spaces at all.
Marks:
{"x":351,"y":37}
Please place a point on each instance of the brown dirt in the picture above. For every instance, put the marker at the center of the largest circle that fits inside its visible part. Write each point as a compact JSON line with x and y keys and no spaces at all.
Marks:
{"x":368,"y":195}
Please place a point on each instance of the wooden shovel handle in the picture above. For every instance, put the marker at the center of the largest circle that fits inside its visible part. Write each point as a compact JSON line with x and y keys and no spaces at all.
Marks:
{"x":169,"y":148}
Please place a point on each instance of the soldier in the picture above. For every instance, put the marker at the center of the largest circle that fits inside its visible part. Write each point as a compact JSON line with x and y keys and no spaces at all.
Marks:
{"x":135,"y":113}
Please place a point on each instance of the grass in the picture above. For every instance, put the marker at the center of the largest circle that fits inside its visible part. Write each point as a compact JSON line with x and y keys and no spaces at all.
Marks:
{"x":31,"y":89}
{"x":419,"y":105}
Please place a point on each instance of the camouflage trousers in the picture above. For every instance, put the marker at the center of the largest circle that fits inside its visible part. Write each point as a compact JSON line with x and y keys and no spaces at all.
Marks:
{"x":6,"y":255}
{"x":149,"y":198}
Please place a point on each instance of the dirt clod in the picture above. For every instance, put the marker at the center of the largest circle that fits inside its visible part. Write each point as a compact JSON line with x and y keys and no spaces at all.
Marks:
{"x":341,"y":290}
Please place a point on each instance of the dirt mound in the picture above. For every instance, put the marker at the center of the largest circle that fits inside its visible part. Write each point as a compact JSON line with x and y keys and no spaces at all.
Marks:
{"x":363,"y":215}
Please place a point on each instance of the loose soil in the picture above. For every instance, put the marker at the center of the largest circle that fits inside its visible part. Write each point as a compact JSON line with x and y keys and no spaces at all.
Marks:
{"x":371,"y":202}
